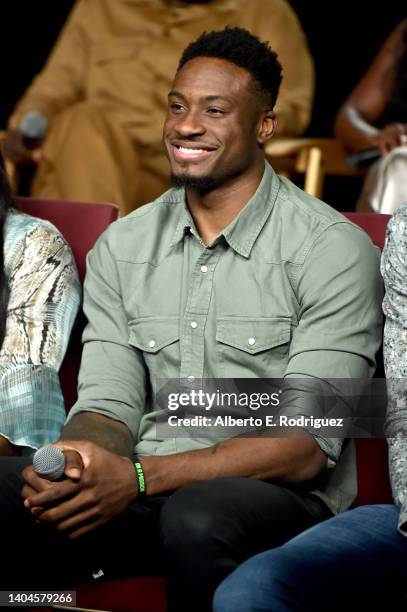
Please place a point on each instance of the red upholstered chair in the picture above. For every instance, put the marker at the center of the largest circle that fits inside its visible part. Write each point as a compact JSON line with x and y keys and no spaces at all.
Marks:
{"x":371,"y":453}
{"x":81,"y":223}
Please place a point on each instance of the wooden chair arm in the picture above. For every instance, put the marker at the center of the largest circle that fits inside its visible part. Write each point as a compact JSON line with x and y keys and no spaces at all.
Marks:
{"x":313,"y":157}
{"x":10,"y":167}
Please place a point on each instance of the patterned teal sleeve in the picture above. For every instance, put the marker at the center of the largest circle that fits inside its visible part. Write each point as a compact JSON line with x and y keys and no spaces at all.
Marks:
{"x":43,"y":303}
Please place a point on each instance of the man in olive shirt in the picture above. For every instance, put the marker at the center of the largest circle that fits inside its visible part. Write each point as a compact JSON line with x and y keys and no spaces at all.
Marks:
{"x":234,"y":273}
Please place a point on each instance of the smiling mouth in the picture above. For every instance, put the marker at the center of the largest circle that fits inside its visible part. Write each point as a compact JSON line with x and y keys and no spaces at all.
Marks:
{"x":189,"y":153}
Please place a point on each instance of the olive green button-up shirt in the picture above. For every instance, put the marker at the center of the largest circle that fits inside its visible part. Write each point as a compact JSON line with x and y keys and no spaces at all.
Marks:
{"x":289,"y":289}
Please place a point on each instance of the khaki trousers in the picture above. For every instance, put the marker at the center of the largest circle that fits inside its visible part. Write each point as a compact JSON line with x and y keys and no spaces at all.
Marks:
{"x":88,"y":156}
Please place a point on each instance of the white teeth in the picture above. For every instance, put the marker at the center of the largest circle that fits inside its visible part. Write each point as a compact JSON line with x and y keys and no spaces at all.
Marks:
{"x":191,"y":151}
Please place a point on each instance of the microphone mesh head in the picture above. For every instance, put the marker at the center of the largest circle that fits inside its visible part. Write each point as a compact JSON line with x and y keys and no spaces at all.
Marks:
{"x":33,"y":124}
{"x":49,"y":462}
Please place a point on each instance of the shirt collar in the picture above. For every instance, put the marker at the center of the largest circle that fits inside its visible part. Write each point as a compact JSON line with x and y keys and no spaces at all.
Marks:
{"x":242,"y":233}
{"x":185,"y":220}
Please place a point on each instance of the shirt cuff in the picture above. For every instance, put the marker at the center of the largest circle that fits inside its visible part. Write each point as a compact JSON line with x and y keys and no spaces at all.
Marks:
{"x":32,"y":411}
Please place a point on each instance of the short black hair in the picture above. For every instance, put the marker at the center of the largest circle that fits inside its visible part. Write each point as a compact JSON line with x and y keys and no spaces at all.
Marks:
{"x":244,"y":49}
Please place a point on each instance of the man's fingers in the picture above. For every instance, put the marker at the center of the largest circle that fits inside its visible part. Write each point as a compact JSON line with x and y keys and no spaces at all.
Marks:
{"x":34,"y":481}
{"x":84,"y":449}
{"x":78,"y":520}
{"x":27,"y":491}
{"x":70,"y":508}
{"x":73,"y":465}
{"x":15,"y":150}
{"x":56,"y":493}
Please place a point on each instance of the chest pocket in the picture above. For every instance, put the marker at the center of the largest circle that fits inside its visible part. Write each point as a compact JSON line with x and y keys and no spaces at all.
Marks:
{"x":253,"y":347}
{"x":158,"y":339}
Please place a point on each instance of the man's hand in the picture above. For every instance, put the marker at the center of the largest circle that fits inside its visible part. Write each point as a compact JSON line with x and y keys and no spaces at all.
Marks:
{"x":16,"y":151}
{"x":390,"y":137}
{"x":35,"y":484}
{"x":90,"y":497}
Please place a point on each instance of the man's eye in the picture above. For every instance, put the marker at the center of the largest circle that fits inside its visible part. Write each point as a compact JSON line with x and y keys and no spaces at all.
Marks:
{"x":176,"y":107}
{"x":215,"y":111}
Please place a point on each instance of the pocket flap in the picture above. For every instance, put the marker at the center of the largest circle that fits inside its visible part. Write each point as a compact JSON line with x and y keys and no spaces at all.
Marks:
{"x":253,"y":335}
{"x":151,"y":334}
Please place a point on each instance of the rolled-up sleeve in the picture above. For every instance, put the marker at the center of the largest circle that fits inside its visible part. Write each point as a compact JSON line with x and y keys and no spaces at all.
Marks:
{"x":394,"y":270}
{"x":112,"y":378}
{"x":339,"y":289}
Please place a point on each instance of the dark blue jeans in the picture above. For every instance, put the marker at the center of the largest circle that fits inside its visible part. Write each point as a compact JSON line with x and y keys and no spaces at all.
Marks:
{"x":354,"y":561}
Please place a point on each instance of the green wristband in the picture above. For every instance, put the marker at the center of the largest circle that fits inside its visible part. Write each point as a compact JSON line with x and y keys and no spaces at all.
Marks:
{"x":141,"y":481}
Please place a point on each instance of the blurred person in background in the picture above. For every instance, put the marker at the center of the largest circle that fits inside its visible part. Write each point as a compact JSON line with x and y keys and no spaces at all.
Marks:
{"x":374,"y":118}
{"x":39,"y":299}
{"x":92,"y":118}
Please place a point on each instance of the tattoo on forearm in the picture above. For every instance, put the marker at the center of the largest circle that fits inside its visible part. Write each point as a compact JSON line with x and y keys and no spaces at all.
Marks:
{"x":105,"y":432}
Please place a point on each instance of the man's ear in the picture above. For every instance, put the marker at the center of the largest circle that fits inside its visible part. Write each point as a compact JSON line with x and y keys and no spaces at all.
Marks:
{"x":267,"y":126}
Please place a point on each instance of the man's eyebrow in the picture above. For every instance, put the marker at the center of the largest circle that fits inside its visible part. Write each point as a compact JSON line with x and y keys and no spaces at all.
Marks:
{"x":211,"y":98}
{"x":177,"y":94}
{"x":214,"y":98}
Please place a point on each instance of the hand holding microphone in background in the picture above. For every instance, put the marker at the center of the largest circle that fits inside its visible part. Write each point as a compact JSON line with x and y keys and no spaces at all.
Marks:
{"x":23,"y":142}
{"x":384,"y":141}
{"x":98,"y":485}
{"x":391,"y":136}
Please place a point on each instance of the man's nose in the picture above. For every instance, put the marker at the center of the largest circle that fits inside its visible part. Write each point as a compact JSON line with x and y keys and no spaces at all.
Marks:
{"x":189,"y":124}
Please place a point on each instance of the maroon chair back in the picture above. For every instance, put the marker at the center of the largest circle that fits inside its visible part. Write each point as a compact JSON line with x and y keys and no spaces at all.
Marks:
{"x":371,"y":453}
{"x":374,"y":224}
{"x":80,"y":223}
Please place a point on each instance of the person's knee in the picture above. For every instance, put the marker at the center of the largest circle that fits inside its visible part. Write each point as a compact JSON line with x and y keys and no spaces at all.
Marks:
{"x":258,"y":584}
{"x":187,"y":516}
{"x":234,"y":595}
{"x":194,"y":519}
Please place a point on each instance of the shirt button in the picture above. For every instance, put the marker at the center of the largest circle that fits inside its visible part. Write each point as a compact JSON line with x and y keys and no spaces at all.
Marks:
{"x":204,"y":268}
{"x":194,"y":324}
{"x":251,"y":341}
{"x":151,"y":344}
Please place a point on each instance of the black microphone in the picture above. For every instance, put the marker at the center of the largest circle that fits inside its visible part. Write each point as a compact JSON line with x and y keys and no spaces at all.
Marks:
{"x":33,"y":126}
{"x":355,"y":159}
{"x":49,"y":463}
